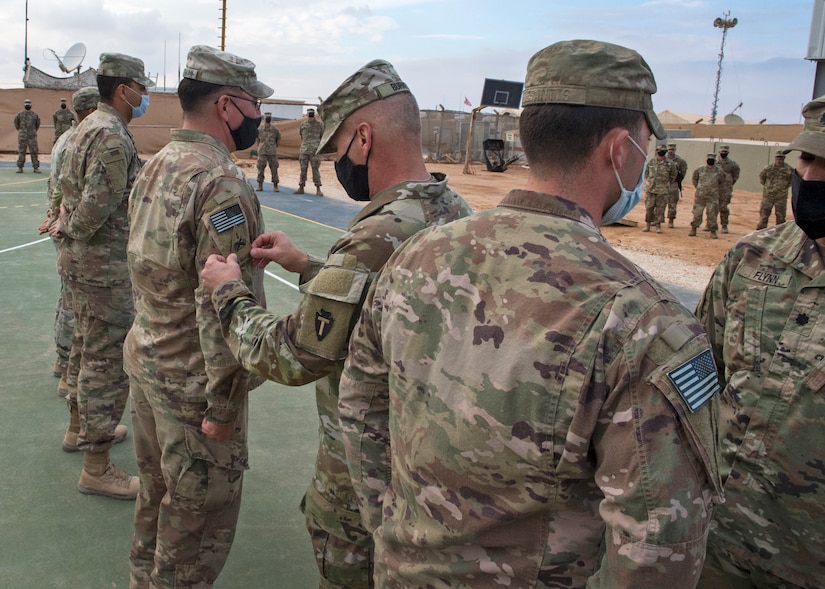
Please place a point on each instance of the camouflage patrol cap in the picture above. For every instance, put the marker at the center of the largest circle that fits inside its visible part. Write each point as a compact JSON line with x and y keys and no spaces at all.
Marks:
{"x":375,"y":81}
{"x":592,"y":73}
{"x":62,"y":100}
{"x":661,"y":146}
{"x":27,"y":101}
{"x":214,"y":66}
{"x":725,"y":148}
{"x":779,"y":154}
{"x":118,"y":65}
{"x":671,"y":146}
{"x":812,"y":138}
{"x":711,"y":155}
{"x":86,"y":98}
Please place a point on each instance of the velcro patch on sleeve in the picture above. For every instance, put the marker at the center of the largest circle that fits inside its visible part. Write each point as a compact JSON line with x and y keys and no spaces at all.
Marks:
{"x":227,"y":218}
{"x":696,"y":380}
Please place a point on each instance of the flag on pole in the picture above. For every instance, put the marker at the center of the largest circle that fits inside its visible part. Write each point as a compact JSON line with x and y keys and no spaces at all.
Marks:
{"x":467,"y":102}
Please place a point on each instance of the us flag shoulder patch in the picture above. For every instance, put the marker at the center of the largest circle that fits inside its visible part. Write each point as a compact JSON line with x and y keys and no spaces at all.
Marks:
{"x":227,"y":218}
{"x":696,"y":380}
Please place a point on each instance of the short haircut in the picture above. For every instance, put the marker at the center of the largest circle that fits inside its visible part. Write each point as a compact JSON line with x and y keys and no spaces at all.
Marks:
{"x":194,"y":94}
{"x":397,"y":115}
{"x":563,"y":136}
{"x":106,"y":86}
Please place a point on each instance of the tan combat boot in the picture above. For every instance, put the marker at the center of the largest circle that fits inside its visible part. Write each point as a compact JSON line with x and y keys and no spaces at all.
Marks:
{"x":646,"y":229}
{"x":62,"y":387}
{"x":713,"y":235}
{"x":318,"y":191}
{"x":658,"y":227}
{"x":724,"y":228}
{"x":70,"y":437}
{"x":260,"y":186}
{"x":275,"y":189}
{"x":300,"y":189}
{"x":100,"y":477}
{"x":670,"y":223}
{"x":692,"y":232}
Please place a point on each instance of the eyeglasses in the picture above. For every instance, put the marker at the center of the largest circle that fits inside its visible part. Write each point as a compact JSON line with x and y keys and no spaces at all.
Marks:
{"x":257,"y":103}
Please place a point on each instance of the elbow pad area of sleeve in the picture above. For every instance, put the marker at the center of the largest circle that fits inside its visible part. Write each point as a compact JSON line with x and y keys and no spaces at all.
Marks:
{"x":331,"y":302}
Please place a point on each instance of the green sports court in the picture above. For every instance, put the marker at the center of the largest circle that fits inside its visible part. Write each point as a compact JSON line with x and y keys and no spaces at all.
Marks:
{"x":55,"y":537}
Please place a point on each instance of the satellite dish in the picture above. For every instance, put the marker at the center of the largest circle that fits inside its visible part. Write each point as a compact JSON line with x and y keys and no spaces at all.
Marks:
{"x":733,"y":119}
{"x":73,"y":58}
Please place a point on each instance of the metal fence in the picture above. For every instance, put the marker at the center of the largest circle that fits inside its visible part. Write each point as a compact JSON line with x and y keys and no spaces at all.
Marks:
{"x":444,"y":134}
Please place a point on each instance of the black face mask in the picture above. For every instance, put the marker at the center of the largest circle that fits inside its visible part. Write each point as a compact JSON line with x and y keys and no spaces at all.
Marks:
{"x":661,"y":153}
{"x":353,"y":177}
{"x":246,"y":134}
{"x":808,"y":205}
{"x":711,"y":162}
{"x":28,"y":107}
{"x":63,"y":106}
{"x":268,"y":119}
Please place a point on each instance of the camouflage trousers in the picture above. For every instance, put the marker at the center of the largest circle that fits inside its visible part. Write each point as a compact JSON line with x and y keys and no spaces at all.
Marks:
{"x":22,"y":146}
{"x":100,"y":388}
{"x":342,"y":547}
{"x":722,"y":571}
{"x":724,"y":205}
{"x":272,"y":162}
{"x":306,"y":159}
{"x":702,"y":203}
{"x":778,"y":202}
{"x":63,"y":322}
{"x":191,"y":486}
{"x":672,"y":200}
{"x":655,"y":208}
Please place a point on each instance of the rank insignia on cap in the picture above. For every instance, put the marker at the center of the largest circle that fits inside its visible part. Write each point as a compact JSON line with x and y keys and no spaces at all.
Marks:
{"x":323,"y":324}
{"x":227,"y":218}
{"x":696,"y":380}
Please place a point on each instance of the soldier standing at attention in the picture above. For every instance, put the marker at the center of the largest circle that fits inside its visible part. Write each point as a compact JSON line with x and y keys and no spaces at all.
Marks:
{"x":269,"y":136}
{"x":371,"y":117}
{"x":676,"y":187}
{"x":189,"y":396}
{"x":775,"y":180}
{"x":731,"y":170}
{"x":85,"y":103}
{"x":521,"y":405}
{"x":764,"y":312}
{"x":27,"y":122}
{"x":95,"y":178}
{"x":660,"y":174}
{"x":311,"y":130}
{"x":709,"y":180}
{"x":63,"y":119}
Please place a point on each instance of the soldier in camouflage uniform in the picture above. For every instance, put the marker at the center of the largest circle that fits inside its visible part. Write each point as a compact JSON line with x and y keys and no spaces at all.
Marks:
{"x":99,"y":166}
{"x":660,"y":174}
{"x":676,"y":187}
{"x":269,"y":136}
{"x":311,"y":130}
{"x":189,"y":395}
{"x":731,"y":170}
{"x":63,"y":119}
{"x":775,"y":180}
{"x":763,"y":311}
{"x":371,"y":116}
{"x":709,"y":181}
{"x":85,"y":102}
{"x":27,"y":122}
{"x":529,"y":385}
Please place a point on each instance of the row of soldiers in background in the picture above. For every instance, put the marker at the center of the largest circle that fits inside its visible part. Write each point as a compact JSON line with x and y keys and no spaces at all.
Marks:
{"x":27,"y":123}
{"x":269,"y":136}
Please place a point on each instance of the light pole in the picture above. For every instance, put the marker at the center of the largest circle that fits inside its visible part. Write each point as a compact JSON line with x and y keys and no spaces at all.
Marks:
{"x":724,"y":24}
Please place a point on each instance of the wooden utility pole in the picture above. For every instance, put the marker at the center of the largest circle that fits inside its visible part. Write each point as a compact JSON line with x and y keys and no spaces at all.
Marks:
{"x":467,"y":169}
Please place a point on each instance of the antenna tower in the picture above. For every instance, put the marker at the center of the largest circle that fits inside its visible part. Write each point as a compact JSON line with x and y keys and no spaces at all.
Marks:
{"x":223,"y":25}
{"x":724,"y":24}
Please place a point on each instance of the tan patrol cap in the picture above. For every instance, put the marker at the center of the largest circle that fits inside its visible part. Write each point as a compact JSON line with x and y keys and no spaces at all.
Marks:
{"x":118,"y":65}
{"x":711,"y":155}
{"x":27,"y":101}
{"x":86,"y":98}
{"x":671,"y":146}
{"x":214,"y":66}
{"x":375,"y":81}
{"x":592,"y":73}
{"x":812,"y":138}
{"x":724,"y":148}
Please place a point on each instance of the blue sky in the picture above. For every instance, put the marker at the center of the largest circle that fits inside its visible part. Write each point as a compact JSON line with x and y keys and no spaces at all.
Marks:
{"x":444,"y":49}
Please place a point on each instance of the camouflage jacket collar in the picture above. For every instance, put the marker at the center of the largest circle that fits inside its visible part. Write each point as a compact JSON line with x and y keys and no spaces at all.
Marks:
{"x":436,"y":185}
{"x":194,"y":136}
{"x":548,"y":204}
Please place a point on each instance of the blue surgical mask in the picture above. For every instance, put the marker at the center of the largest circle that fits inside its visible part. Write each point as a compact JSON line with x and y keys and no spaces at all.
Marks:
{"x":629,"y":198}
{"x":139,"y":110}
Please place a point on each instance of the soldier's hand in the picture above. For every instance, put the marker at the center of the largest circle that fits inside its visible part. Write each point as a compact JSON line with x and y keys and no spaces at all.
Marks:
{"x":44,"y":226}
{"x":217,"y":269}
{"x":54,"y":230}
{"x":277,"y":247}
{"x":217,"y":432}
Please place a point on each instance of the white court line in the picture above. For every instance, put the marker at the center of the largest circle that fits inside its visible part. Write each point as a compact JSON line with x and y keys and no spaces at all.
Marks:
{"x":278,"y":278}
{"x":17,"y":247}
{"x":30,"y":192}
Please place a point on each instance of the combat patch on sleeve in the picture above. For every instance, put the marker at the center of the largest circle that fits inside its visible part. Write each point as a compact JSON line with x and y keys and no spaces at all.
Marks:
{"x":116,"y":168}
{"x":696,"y":380}
{"x":227,"y":218}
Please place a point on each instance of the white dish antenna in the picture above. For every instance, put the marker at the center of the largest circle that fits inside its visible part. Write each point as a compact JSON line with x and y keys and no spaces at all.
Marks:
{"x":733,"y":119}
{"x":72,"y":59}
